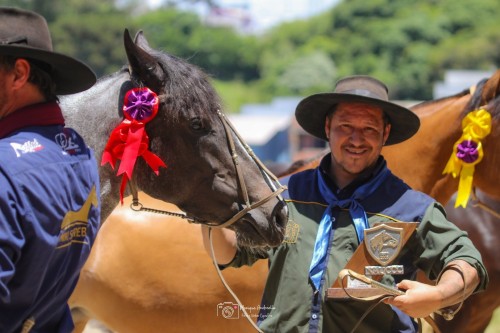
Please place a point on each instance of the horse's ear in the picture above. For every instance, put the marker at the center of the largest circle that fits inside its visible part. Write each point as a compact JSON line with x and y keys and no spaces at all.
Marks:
{"x":142,"y":65}
{"x":491,"y":87}
{"x":141,"y":40}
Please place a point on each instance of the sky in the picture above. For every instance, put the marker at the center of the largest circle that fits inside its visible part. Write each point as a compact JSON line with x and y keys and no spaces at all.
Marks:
{"x":267,"y":13}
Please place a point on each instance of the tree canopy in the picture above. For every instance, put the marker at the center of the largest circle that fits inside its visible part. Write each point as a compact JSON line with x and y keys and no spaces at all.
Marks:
{"x":406,"y":44}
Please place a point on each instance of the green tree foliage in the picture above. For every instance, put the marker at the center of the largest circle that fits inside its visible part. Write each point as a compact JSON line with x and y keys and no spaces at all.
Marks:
{"x":408,"y":44}
{"x":89,"y":30}
{"x":49,"y":9}
{"x":92,"y":30}
{"x":219,"y":51}
{"x":307,"y":74}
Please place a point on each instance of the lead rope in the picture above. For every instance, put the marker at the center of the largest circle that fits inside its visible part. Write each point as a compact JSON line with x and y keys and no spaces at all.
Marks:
{"x":478,"y":203}
{"x":214,"y":260}
{"x":270,"y":178}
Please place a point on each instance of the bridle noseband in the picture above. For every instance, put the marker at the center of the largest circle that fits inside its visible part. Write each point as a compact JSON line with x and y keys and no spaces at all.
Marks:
{"x":270,"y":178}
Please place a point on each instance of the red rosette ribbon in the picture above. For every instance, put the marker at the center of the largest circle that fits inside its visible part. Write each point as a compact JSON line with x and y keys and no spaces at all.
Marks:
{"x":129,"y":139}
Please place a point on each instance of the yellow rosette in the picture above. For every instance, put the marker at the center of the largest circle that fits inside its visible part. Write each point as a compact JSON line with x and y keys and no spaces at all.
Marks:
{"x":468,"y":151}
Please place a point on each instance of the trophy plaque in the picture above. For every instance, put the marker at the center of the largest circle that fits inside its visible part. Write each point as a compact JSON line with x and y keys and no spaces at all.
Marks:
{"x":373,"y":258}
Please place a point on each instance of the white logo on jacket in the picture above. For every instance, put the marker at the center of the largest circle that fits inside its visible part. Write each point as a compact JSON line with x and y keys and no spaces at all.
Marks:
{"x":27,"y":147}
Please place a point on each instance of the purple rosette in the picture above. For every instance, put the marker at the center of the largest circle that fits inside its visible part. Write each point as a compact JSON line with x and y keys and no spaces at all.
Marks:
{"x":140,"y":104}
{"x":467,"y":151}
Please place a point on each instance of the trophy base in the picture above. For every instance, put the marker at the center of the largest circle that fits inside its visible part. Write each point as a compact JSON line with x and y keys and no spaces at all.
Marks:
{"x":340,"y":294}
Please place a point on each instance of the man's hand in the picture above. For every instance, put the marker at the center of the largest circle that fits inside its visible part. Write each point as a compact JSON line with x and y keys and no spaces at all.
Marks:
{"x":458,"y":281}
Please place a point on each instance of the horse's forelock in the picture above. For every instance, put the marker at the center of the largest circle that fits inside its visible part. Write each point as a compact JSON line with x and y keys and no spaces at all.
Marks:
{"x":476,"y":98}
{"x":477,"y":101}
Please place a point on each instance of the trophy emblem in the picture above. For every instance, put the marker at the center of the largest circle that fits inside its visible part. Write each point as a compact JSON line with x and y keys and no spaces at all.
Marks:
{"x":383,"y":243}
{"x":381,"y":246}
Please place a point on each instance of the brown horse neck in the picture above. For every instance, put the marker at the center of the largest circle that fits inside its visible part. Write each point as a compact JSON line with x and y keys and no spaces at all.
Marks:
{"x":420,"y":161}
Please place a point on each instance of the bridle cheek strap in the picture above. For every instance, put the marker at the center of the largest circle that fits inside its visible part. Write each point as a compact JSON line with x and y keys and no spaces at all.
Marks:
{"x":275,"y":185}
{"x":270,"y":178}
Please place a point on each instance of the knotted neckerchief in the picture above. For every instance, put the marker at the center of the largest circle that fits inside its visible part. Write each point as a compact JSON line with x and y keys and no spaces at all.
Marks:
{"x":357,"y":212}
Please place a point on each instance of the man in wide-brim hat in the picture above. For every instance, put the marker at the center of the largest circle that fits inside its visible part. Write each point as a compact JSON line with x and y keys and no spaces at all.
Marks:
{"x":367,"y":101}
{"x":47,"y":176}
{"x":312,"y":111}
{"x":25,"y":34}
{"x":331,"y":206}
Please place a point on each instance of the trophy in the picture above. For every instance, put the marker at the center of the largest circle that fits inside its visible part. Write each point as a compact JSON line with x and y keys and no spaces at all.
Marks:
{"x":371,"y":260}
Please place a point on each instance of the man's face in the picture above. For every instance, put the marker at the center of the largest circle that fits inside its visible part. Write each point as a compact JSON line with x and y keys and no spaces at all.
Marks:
{"x":356,"y":135}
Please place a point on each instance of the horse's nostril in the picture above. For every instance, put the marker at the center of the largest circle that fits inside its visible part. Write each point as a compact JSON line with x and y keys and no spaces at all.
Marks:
{"x":281,"y":214}
{"x":221,"y":176}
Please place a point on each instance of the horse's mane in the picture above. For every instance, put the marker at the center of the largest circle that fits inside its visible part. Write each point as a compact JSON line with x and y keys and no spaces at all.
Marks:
{"x":122,"y":70}
{"x":189,"y":89}
{"x":477,"y":101}
{"x":434,"y":101}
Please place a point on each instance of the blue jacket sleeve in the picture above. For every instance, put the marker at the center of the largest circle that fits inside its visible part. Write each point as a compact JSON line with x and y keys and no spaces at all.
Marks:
{"x":12,"y":238}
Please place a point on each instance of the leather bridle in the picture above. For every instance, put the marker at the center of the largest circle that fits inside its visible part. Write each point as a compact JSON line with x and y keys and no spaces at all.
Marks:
{"x":476,"y":202}
{"x":270,"y":178}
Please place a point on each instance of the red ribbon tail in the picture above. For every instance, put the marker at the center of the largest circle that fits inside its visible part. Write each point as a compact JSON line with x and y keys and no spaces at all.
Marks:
{"x":122,"y":187}
{"x":107,"y":157}
{"x":153,"y":161}
{"x":131,"y":151}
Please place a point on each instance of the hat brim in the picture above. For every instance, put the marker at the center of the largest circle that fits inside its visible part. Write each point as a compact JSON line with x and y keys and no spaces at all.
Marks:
{"x":70,"y":75}
{"x":311,"y":114}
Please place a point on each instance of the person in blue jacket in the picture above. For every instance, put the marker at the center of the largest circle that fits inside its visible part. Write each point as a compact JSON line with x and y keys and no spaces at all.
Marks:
{"x":49,"y":186}
{"x":330,"y":207}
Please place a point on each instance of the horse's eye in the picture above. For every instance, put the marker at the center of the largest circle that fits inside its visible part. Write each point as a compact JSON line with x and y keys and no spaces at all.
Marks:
{"x":196,"y":124}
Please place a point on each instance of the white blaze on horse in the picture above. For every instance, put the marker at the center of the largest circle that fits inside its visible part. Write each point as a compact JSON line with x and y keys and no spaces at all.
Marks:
{"x":160,"y":279}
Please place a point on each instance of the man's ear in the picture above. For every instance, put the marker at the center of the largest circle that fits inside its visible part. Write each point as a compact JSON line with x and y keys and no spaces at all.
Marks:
{"x":387,"y":131}
{"x":327,"y":127}
{"x":21,"y":73}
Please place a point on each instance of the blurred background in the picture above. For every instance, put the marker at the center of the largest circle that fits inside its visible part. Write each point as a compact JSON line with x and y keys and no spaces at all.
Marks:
{"x":256,"y":50}
{"x":263,"y":56}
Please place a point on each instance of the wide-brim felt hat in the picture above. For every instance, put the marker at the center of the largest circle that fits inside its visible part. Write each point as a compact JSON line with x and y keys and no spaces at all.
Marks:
{"x":311,"y":112}
{"x":25,"y":34}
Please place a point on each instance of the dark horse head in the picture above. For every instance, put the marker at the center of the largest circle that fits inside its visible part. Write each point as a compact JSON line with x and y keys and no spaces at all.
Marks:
{"x":190,"y":136}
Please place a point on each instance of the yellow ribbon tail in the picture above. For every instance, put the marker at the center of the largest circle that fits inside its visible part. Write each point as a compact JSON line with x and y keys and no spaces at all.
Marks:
{"x":453,"y":166}
{"x":464,"y":186}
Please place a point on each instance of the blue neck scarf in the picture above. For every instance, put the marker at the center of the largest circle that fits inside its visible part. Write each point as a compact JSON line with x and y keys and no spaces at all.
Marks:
{"x":319,"y":260}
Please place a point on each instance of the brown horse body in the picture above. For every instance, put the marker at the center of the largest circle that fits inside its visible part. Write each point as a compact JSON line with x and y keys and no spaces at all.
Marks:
{"x":149,"y":273}
{"x":144,"y":277}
